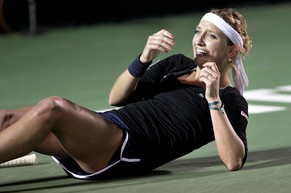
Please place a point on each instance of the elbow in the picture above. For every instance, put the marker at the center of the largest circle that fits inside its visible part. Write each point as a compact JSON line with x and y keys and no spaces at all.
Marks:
{"x":234,"y":165}
{"x":117,"y":99}
{"x":112,"y":102}
{"x":112,"y":99}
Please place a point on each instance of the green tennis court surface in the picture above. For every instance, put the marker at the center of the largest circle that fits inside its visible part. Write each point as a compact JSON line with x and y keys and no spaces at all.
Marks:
{"x":82,"y":63}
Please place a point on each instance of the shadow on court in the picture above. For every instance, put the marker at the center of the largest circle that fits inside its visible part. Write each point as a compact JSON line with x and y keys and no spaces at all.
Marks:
{"x":178,"y":169}
{"x":269,"y":158}
{"x":256,"y":160}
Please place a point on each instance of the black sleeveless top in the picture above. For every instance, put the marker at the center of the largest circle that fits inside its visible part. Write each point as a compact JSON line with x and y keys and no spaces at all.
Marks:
{"x":174,"y":118}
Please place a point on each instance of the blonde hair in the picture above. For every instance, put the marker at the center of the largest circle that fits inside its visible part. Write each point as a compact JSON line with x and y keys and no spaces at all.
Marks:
{"x":237,"y":21}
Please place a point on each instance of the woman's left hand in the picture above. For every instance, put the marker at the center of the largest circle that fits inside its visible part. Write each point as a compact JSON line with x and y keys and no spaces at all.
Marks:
{"x":210,"y":75}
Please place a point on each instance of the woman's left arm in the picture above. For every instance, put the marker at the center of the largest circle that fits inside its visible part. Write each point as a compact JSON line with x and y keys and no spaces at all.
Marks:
{"x":230,"y":147}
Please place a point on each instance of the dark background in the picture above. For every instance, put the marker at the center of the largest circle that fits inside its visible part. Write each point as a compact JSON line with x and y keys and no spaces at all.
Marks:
{"x":60,"y":13}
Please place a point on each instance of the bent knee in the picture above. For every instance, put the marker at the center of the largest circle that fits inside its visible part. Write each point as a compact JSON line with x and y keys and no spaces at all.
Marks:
{"x":51,"y":104}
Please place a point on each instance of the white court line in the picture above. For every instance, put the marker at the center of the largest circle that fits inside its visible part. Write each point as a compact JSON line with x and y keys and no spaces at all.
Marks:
{"x":268,"y":95}
{"x":257,"y":109}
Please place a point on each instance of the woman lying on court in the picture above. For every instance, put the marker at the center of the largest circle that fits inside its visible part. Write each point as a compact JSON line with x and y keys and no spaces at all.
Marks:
{"x":168,"y":109}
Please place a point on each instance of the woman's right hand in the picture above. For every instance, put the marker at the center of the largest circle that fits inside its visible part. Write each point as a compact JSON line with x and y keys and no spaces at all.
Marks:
{"x":125,"y":84}
{"x":162,"y":41}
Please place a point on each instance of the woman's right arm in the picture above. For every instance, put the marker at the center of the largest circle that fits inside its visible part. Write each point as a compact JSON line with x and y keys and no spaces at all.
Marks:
{"x":126,"y":83}
{"x":122,"y":88}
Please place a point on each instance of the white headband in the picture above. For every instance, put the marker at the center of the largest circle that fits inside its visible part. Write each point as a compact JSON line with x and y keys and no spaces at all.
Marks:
{"x":241,"y":79}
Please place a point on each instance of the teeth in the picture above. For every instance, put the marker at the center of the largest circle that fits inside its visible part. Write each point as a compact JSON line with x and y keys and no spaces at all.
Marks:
{"x":199,"y":51}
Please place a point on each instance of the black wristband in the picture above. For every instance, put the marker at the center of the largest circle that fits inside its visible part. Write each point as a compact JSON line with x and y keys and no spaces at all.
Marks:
{"x":137,"y":68}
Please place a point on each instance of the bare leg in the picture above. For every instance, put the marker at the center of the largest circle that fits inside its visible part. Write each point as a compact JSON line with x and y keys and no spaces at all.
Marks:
{"x":83,"y":134}
{"x":49,"y":146}
{"x":8,"y":117}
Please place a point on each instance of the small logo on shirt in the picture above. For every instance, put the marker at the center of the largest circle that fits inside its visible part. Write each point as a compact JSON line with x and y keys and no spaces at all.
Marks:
{"x":201,"y":95}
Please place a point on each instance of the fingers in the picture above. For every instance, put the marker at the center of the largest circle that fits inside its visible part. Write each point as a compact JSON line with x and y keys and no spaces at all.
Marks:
{"x":162,"y":41}
{"x":210,"y":71}
{"x":211,"y":65}
{"x":210,"y":75}
{"x":165,"y":33}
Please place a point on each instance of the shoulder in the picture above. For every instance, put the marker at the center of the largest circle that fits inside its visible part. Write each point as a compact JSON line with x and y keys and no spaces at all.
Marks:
{"x":229,"y":90}
{"x":234,"y":101}
{"x":232,"y":94}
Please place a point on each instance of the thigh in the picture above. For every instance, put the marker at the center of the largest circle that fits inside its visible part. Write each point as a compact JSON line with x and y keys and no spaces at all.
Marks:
{"x":50,"y":144}
{"x":86,"y":135}
{"x":8,"y":117}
